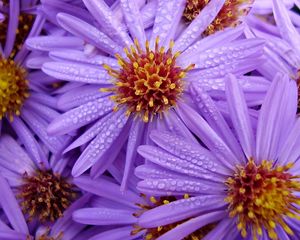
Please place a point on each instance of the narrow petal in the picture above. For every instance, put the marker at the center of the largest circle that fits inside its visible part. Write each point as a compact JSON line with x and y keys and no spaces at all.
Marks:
{"x":103,"y":216}
{"x":48,"y":43}
{"x":80,"y":116}
{"x":11,"y":208}
{"x":30,"y":143}
{"x":271,"y":119}
{"x":104,"y":16}
{"x":14,"y":11}
{"x":190,"y":226}
{"x":123,"y":233}
{"x":218,"y":39}
{"x":76,"y":72}
{"x":180,"y":210}
{"x":198,"y":25}
{"x":240,"y":116}
{"x":88,"y":33}
{"x":133,"y":20}
{"x":79,"y":96}
{"x":166,"y":20}
{"x":208,"y":136}
{"x":209,"y":110}
{"x":69,"y":55}
{"x":39,"y":126}
{"x":108,"y":190}
{"x":285,"y":25}
{"x":102,"y":143}
{"x":134,"y":140}
{"x":179,"y":187}
{"x":194,"y":155}
{"x":226,"y":53}
{"x":91,"y":133}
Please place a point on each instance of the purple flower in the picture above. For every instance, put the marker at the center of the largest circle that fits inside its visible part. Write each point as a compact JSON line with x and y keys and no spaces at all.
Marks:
{"x":243,"y":177}
{"x":25,"y":102}
{"x":43,"y":192}
{"x":141,"y":87}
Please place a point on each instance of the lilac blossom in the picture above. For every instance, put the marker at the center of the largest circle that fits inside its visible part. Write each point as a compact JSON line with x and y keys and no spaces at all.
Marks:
{"x":222,"y":172}
{"x":88,"y":69}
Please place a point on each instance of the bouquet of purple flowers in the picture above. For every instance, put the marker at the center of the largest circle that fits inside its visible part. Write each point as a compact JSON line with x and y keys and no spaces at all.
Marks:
{"x":149,"y":119}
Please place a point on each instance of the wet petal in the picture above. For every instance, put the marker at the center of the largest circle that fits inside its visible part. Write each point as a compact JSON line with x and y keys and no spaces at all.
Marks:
{"x":80,"y":116}
{"x":76,"y":72}
{"x":180,"y":210}
{"x":240,"y":116}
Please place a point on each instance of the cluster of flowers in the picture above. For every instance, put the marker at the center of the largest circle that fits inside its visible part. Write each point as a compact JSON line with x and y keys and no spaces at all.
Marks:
{"x":149,"y":119}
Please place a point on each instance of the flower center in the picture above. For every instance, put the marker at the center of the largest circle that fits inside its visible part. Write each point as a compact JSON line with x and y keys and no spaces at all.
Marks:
{"x":25,"y":23}
{"x":228,"y":16}
{"x":154,"y":233}
{"x":13,"y":88}
{"x":261,"y":196}
{"x":148,"y":82}
{"x":45,"y":195}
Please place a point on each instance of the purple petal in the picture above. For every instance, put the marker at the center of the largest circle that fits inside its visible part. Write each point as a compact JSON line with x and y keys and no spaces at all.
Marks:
{"x":209,"y":110}
{"x":198,"y":25}
{"x":104,"y":16}
{"x":103,"y":216}
{"x":134,"y":140}
{"x":271,"y":122}
{"x":76,"y":72}
{"x":14,"y":11}
{"x":180,"y":210}
{"x":123,"y":233}
{"x":30,"y":143}
{"x":133,"y":20}
{"x":240,"y":116}
{"x":208,"y":136}
{"x":166,"y":21}
{"x":179,"y":187}
{"x":107,"y":190}
{"x":102,"y":143}
{"x":48,"y":43}
{"x":11,"y":208}
{"x":80,"y":116}
{"x":190,"y":226}
{"x":88,"y":33}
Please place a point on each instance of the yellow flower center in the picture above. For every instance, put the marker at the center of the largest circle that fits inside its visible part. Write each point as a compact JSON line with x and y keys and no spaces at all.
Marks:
{"x":154,"y":233}
{"x":148,"y":82}
{"x":227,"y":17}
{"x":13,"y":88}
{"x":45,"y":195}
{"x":260,"y":196}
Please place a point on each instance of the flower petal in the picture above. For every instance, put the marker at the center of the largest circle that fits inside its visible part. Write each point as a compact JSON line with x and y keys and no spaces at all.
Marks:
{"x":88,"y":33}
{"x":80,"y":116}
{"x":11,"y":208}
{"x":180,"y":210}
{"x":240,"y":116}
{"x":76,"y":72}
{"x":101,"y":144}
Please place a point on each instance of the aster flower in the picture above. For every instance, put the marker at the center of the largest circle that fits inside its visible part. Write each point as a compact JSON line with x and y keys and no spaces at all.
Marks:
{"x":25,"y":104}
{"x":142,"y":85}
{"x":118,"y":213}
{"x":44,"y":192}
{"x":62,"y":229}
{"x":257,"y":190}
